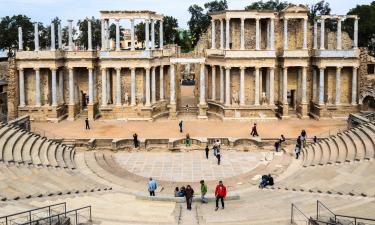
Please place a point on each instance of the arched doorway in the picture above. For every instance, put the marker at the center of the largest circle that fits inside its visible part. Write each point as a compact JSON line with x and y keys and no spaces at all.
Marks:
{"x":368,"y":104}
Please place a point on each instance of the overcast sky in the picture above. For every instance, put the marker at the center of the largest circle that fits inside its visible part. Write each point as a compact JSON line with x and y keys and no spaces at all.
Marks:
{"x":45,"y":10}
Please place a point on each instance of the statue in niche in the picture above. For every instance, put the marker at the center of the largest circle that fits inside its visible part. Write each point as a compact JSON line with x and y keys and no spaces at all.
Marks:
{"x":264,"y":98}
{"x":140,"y":98}
{"x":330,"y":100}
{"x":126,"y":97}
{"x":235,"y":98}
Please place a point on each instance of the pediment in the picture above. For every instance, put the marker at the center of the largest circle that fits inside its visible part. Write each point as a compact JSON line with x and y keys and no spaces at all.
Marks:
{"x":295,"y":9}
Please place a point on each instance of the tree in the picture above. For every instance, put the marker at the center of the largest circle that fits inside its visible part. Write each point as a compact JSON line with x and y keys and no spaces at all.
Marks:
{"x":216,"y":6}
{"x":183,"y":39}
{"x":170,"y":29}
{"x":140,"y":32}
{"x":319,"y":8}
{"x":96,"y":35}
{"x":9,"y":33}
{"x":275,"y":5}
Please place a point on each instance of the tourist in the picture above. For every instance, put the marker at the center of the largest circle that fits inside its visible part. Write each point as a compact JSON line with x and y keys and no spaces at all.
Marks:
{"x":207,"y":151}
{"x":282,"y":139}
{"x":303,"y":137}
{"x":266,"y":180}
{"x":220,"y":194}
{"x":152,"y":186}
{"x":187,"y":141}
{"x":297,"y":150}
{"x":87,"y":124}
{"x":180,"y":125}
{"x":315,"y":139}
{"x":182,"y":192}
{"x":277,"y":145}
{"x":217,"y":154}
{"x":135,"y":140}
{"x":218,"y":143}
{"x":189,"y":193}
{"x":176,"y":192}
{"x":254,"y":131}
{"x":299,"y":141}
{"x":203,"y":192}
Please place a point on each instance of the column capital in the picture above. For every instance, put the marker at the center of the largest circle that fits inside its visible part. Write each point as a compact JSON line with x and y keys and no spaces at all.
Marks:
{"x":53,"y":68}
{"x":338,"y":67}
{"x":322,"y":67}
{"x":147,"y":20}
{"x":355,"y":67}
{"x":257,"y":19}
{"x":242,"y":67}
{"x":118,"y":68}
{"x":36,"y":68}
{"x":90,"y":68}
{"x":242,"y":19}
{"x":20,"y":69}
{"x":257,"y":67}
{"x":227,"y":67}
{"x":132,"y":68}
{"x":147,"y":67}
{"x":103,"y":68}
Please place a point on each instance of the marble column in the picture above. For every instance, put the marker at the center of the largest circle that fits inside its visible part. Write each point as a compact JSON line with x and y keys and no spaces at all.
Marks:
{"x":117,"y":35}
{"x":91,"y":85}
{"x":242,"y":34}
{"x":285,"y":34}
{"x":147,"y":33}
{"x":304,"y":33}
{"x":153,"y":85}
{"x":267,"y":83}
{"x":61,"y":85}
{"x":132,"y":35}
{"x":202,"y":84}
{"x":322,"y":34}
{"x":268,"y":36}
{"x":161,"y":82}
{"x":59,"y":36}
{"x":37,"y":87}
{"x":20,"y":39}
{"x":221,"y":34}
{"x":304,"y":85}
{"x":133,"y":87}
{"x":161,"y":35}
{"x":70,"y":35}
{"x":153,"y":34}
{"x":103,"y":35}
{"x":339,"y":40}
{"x":118,"y":87}
{"x":36,"y":36}
{"x":281,"y":71}
{"x":172,"y":85}
{"x":71,"y":87}
{"x":213,"y":34}
{"x":89,"y":35}
{"x":315,"y":45}
{"x":107,"y":31}
{"x":104,"y":87}
{"x":272,"y":29}
{"x":338,"y":86}
{"x":21,"y":79}
{"x":147,"y":87}
{"x":321,"y":86}
{"x":354,"y":86}
{"x":355,"y":44}
{"x":242,"y":86}
{"x":54,"y":87}
{"x":227,"y":86}
{"x":315,"y":84}
{"x":257,"y":34}
{"x":53,"y":40}
{"x":271,"y":86}
{"x":221,"y":84}
{"x":227,"y":32}
{"x":95,"y":84}
{"x":285,"y":86}
{"x":256,"y":84}
{"x":213,"y":83}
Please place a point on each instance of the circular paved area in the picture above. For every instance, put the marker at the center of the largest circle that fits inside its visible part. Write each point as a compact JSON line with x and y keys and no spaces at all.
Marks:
{"x":188,"y":166}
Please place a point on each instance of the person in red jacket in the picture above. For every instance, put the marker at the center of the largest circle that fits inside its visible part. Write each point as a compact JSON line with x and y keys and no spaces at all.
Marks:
{"x":220,"y":193}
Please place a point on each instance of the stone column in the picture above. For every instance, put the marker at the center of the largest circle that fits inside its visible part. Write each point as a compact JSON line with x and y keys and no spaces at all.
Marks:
{"x":281,"y":71}
{"x":227,"y":86}
{"x":147,"y":33}
{"x":117,"y":35}
{"x":221,"y":84}
{"x":161,"y":35}
{"x":242,"y":34}
{"x":147,"y":87}
{"x":304,"y":85}
{"x":339,"y":45}
{"x":91,"y":85}
{"x":153,"y":85}
{"x":20,"y":40}
{"x":104,"y":87}
{"x":153,"y":34}
{"x":338,"y":86}
{"x":132,"y":39}
{"x":37,"y":87}
{"x":53,"y":40}
{"x":213,"y":82}
{"x":95,"y":85}
{"x":257,"y":34}
{"x":133,"y":87}
{"x":272,"y":29}
{"x":285,"y":34}
{"x":118,"y":87}
{"x":61,"y":85}
{"x":315,"y":45}
{"x":22,"y":87}
{"x":305,"y":33}
{"x":268,"y":37}
{"x":271,"y":86}
{"x":103,"y":35}
{"x":285,"y":86}
{"x":36,"y":36}
{"x":354,"y":86}
{"x":70,"y":35}
{"x":256,"y":92}
{"x":322,"y":34}
{"x":172,"y":85}
{"x":161,"y":82}
{"x":221,"y":34}
{"x":242,"y":86}
{"x":107,"y":39}
{"x":54,"y":88}
{"x":314,"y":88}
{"x":59,"y":36}
{"x":355,"y":44}
{"x":202,"y":84}
{"x":89,"y":35}
{"x":321,"y":85}
{"x":227,"y":32}
{"x":71,"y":87}
{"x":213,"y":34}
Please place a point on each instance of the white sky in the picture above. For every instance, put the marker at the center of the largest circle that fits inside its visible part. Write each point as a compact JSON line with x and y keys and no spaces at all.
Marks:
{"x":45,"y":10}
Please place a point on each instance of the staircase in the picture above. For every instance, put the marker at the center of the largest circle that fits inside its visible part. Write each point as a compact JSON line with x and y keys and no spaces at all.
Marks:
{"x":190,"y":113}
{"x":188,"y":217}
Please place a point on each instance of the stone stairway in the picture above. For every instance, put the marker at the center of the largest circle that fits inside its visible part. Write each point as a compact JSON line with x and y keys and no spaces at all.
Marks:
{"x":188,"y":217}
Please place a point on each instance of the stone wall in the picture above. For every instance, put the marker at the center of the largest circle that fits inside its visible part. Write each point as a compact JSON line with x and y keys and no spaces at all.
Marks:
{"x":12,"y":92}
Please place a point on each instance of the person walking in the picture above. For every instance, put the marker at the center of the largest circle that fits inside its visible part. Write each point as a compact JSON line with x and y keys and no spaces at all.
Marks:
{"x":180,"y":125}
{"x":203,"y":192}
{"x":135,"y":140}
{"x":277,"y":145}
{"x":254,"y":131}
{"x":207,"y":151}
{"x":297,"y":150}
{"x":87,"y":124}
{"x":189,"y":194}
{"x":220,"y":194}
{"x":187,"y":140}
{"x":152,"y":186}
{"x":315,"y":139}
{"x":218,"y":155}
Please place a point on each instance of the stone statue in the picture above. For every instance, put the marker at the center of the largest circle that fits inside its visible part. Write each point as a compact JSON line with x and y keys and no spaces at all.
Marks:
{"x":264,"y":98}
{"x":140,"y":98}
{"x":330,"y":99}
{"x":235,"y":98}
{"x":126,"y":98}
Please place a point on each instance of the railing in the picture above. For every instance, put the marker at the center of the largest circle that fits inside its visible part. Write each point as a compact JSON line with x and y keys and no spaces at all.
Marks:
{"x":323,"y":213}
{"x":33,"y":214}
{"x":298,"y":217}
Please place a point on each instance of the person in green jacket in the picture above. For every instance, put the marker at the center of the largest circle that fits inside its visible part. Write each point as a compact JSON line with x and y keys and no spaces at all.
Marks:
{"x":203,"y":191}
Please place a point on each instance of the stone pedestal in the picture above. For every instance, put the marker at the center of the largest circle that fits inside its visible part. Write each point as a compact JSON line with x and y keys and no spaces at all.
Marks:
{"x":202,"y":111}
{"x":284,"y":111}
{"x":172,"y":111}
{"x":91,"y":111}
{"x":303,"y":111}
{"x":71,"y":112}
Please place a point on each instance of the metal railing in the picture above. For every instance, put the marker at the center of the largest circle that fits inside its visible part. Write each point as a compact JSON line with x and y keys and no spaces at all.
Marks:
{"x":298,"y":217}
{"x":33,"y":214}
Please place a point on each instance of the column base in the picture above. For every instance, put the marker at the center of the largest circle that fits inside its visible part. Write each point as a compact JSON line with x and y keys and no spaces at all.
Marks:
{"x":285,"y":111}
{"x":303,"y":114}
{"x":172,"y":111}
{"x":92,"y":111}
{"x":202,"y":111}
{"x":72,"y":112}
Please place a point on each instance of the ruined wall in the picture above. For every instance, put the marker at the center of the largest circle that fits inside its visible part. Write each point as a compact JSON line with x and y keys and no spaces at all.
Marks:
{"x":12,"y":92}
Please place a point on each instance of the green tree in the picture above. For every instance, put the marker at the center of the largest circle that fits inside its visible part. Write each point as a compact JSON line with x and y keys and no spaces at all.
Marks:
{"x":275,"y":5}
{"x":95,"y":32}
{"x":183,"y":39}
{"x":318,"y":9}
{"x":140,"y":32}
{"x":170,"y":29}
